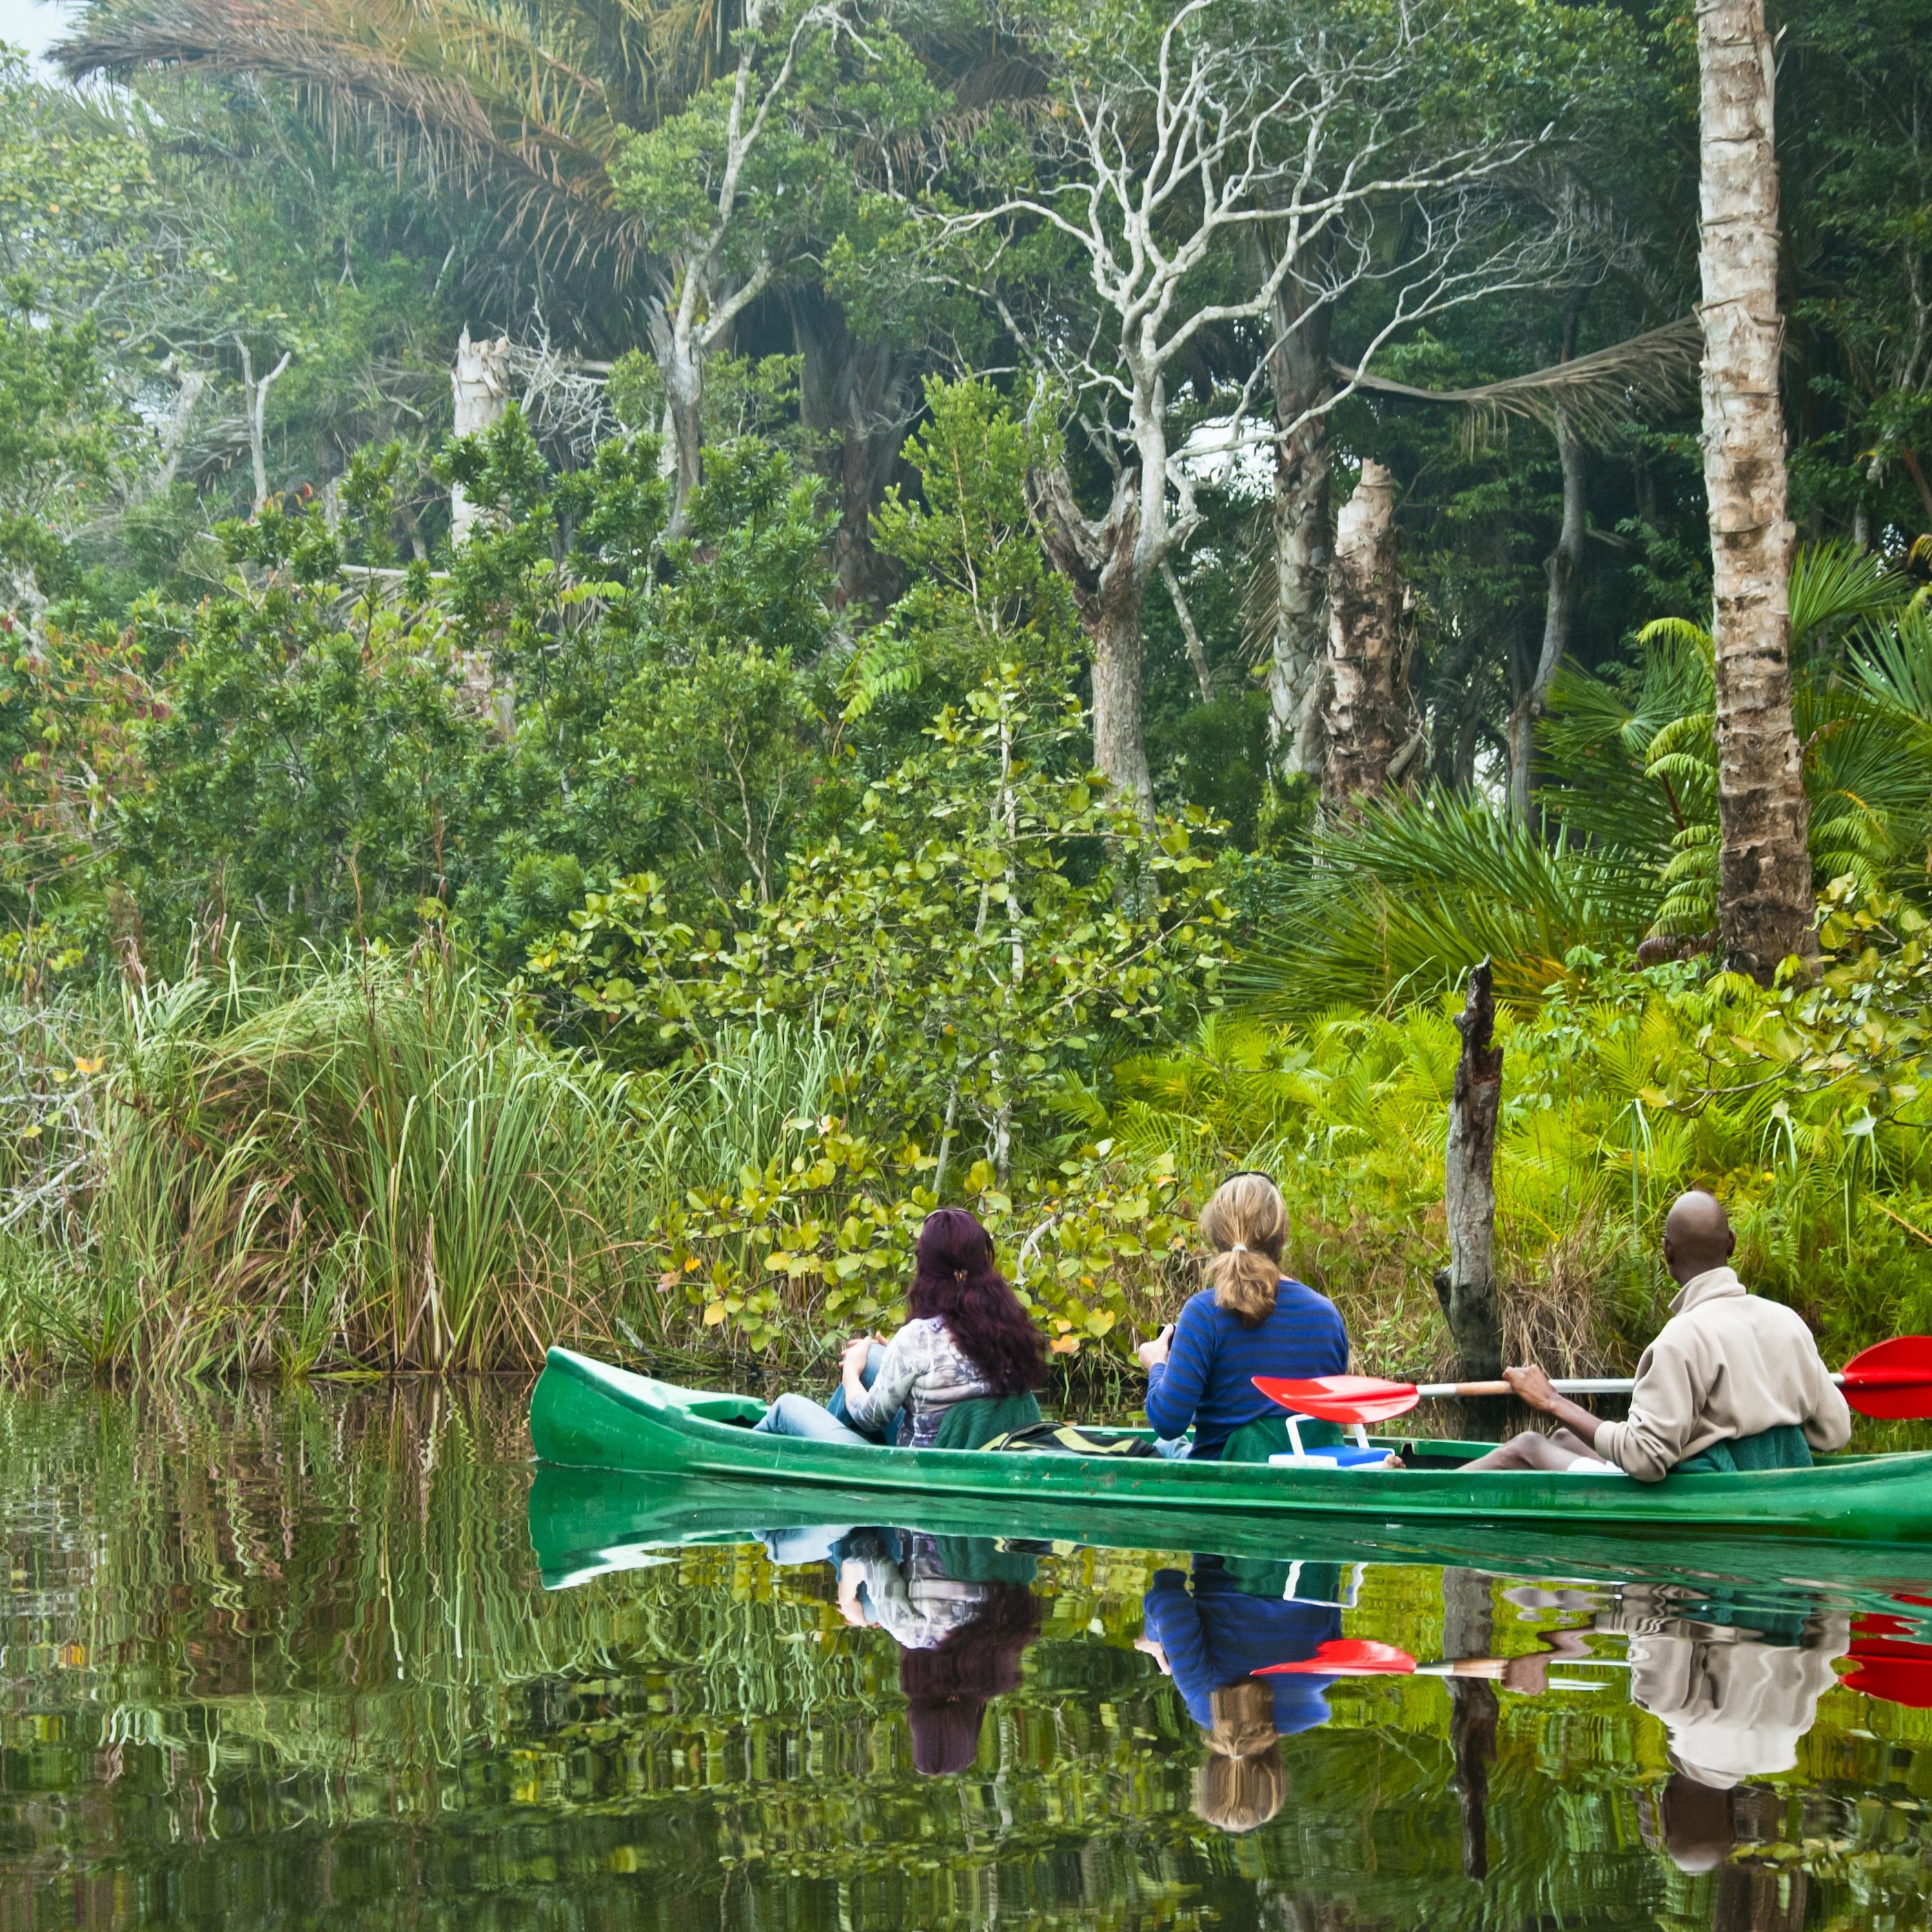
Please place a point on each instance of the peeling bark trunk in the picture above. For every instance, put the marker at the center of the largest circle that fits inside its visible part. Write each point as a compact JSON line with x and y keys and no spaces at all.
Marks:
{"x":1467,"y":1288}
{"x":1102,"y":560}
{"x":1765,"y":902}
{"x":1364,"y":644}
{"x":480,"y":381}
{"x":1299,"y":375}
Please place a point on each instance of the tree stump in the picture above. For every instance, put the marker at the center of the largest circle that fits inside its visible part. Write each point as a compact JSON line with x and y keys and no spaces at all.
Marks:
{"x":1466,"y":1289}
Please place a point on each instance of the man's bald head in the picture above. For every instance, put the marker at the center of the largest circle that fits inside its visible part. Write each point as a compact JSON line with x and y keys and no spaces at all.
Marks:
{"x":1697,"y":1235}
{"x":1699,"y":1824}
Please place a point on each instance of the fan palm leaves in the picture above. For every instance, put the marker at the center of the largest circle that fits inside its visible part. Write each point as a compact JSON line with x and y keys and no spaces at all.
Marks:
{"x":1636,"y":761}
{"x":1408,"y":895}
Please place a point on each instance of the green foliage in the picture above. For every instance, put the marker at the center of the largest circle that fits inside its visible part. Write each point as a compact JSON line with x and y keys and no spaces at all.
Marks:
{"x":983,"y":925}
{"x":305,"y":767}
{"x":62,"y":439}
{"x":1403,"y":898}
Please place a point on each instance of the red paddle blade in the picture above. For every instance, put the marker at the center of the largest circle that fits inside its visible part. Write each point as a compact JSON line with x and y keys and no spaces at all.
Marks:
{"x":1891,"y":1380}
{"x":1341,"y":1398}
{"x":1350,"y":1656}
{"x":1901,"y":1673}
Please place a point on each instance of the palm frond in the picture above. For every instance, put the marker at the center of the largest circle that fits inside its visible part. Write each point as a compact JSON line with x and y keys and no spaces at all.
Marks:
{"x":1597,"y":394}
{"x":1833,"y":585}
{"x":1408,"y":895}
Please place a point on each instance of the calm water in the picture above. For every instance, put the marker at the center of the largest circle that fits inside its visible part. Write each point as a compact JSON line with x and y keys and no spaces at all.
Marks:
{"x":286,"y":1660}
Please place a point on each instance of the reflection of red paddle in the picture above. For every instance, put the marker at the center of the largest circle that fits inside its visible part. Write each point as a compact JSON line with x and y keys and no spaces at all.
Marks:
{"x":1892,"y":1380}
{"x":1345,"y":1656}
{"x":1899,"y":1672}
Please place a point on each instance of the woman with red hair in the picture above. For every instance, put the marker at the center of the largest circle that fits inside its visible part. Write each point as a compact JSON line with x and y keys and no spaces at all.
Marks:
{"x":969,"y":1338}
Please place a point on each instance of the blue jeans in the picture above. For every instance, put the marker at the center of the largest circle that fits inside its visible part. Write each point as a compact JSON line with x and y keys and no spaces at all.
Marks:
{"x":825,"y":1422}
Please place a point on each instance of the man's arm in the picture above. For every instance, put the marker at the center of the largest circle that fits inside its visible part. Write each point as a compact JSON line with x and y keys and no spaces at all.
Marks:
{"x":1666,"y":1406}
{"x":1828,"y":1427}
{"x":1532,"y":1386}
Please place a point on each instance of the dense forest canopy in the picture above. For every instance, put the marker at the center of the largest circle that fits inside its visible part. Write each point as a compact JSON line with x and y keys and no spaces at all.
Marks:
{"x":1019,"y":540}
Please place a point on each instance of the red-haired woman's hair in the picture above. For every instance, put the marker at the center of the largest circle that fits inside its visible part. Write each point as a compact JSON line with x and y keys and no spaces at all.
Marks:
{"x":954,"y":1279}
{"x":948,"y":1688}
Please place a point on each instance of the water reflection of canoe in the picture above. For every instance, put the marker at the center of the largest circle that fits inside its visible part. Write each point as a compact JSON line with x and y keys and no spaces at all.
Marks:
{"x":586,"y":1521}
{"x":588,"y":1415}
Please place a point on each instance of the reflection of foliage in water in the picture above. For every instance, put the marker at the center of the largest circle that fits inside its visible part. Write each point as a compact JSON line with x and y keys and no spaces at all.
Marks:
{"x":273,"y":1658}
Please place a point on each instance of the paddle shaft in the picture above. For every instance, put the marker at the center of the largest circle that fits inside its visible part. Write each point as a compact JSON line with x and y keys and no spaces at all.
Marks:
{"x":1623,"y":1385}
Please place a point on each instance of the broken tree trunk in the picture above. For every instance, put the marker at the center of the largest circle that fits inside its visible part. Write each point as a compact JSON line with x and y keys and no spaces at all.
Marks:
{"x":1468,"y":1629}
{"x":1364,"y":645}
{"x":1467,"y":1288}
{"x":480,"y":382}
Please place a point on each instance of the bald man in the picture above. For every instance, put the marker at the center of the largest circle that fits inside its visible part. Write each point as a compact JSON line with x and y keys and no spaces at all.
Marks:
{"x":1727,"y":1365}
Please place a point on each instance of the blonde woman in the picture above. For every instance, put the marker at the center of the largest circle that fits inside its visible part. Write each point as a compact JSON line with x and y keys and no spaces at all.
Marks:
{"x":1241,"y":1783}
{"x":1250,"y":1320}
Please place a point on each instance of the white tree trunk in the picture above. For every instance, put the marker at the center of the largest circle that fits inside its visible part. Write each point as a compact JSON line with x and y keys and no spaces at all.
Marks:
{"x":1765,"y":902}
{"x":480,"y":382}
{"x":258,"y":417}
{"x":1364,"y":644}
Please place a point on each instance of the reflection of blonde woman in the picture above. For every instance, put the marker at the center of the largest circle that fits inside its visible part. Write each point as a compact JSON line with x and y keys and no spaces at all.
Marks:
{"x":1240,"y":1784}
{"x":1250,"y":1320}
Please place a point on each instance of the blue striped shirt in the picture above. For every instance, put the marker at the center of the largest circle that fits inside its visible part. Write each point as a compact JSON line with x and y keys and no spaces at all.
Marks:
{"x":1208,"y":1379}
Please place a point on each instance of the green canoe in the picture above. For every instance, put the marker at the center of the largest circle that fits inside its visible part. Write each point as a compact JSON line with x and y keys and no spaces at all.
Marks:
{"x":585,"y":1523}
{"x":587,"y":1415}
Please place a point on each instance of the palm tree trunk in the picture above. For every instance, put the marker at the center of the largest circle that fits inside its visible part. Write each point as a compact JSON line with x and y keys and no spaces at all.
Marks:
{"x":1764,"y":901}
{"x":1364,"y":644}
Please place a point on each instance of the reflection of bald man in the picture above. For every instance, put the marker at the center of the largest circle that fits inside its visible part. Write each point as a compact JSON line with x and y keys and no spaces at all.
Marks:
{"x":1735,"y":1706}
{"x":1728,"y":1367}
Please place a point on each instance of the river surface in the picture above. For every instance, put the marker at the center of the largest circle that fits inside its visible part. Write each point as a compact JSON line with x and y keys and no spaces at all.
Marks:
{"x":327,"y":1657}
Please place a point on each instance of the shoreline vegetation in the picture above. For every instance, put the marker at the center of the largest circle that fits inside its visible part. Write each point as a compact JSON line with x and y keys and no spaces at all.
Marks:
{"x":613,"y":685}
{"x":378,"y":1163}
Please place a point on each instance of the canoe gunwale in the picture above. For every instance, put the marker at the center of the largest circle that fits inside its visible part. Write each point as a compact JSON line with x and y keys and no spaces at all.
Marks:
{"x":587,"y":1414}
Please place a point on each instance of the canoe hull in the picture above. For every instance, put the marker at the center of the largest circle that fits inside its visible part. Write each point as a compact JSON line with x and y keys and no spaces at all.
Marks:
{"x":587,"y":1415}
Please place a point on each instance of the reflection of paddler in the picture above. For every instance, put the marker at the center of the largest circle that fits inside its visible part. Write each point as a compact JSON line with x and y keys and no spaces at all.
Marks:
{"x":1210,"y":1638}
{"x":1735,"y":1706}
{"x":960,"y":1610}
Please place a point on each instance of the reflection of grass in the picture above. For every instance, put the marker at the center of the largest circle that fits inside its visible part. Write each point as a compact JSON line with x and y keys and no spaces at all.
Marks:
{"x":245,"y":1625}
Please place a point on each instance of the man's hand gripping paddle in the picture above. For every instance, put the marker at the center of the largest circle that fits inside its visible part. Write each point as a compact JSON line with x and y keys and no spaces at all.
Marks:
{"x":1891,"y":1380}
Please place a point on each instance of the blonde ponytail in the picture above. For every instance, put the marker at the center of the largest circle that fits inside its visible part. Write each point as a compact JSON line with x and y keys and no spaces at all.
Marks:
{"x":1242,"y":1783}
{"x":1246,"y":1224}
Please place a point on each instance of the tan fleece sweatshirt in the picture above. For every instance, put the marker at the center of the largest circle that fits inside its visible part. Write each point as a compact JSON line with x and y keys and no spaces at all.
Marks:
{"x":1727,"y":1363}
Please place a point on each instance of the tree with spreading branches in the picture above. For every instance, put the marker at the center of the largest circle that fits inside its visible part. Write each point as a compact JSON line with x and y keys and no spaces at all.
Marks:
{"x":1194,"y":176}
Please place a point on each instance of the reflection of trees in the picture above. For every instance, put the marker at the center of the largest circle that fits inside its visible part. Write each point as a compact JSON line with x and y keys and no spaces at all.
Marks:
{"x":268,"y":1649}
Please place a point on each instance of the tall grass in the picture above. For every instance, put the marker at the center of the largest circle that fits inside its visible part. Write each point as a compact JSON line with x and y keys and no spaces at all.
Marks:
{"x":367,"y":1164}
{"x":372,"y":1165}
